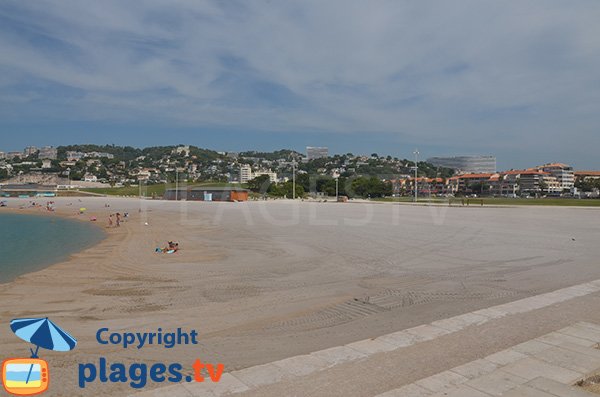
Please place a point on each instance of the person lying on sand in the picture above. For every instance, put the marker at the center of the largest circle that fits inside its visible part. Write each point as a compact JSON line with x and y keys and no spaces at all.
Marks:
{"x":170,"y":248}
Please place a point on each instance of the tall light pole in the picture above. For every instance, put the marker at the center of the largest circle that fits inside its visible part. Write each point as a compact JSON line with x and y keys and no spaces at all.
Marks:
{"x":416,"y":153}
{"x":176,"y":183}
{"x":294,"y":179}
{"x":336,"y":188}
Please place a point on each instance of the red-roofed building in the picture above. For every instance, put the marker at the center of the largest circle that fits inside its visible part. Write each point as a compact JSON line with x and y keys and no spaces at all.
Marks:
{"x":537,"y":181}
{"x":471,"y":183}
{"x":426,"y":186}
{"x":587,"y":175}
{"x":563,"y":174}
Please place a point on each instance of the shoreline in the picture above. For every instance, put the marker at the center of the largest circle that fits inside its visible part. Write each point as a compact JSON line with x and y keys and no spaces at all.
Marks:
{"x":48,"y":214}
{"x":119,"y":282}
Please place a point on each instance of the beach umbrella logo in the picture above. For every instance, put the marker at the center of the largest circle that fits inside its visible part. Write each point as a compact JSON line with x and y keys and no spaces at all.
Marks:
{"x":29,"y":376}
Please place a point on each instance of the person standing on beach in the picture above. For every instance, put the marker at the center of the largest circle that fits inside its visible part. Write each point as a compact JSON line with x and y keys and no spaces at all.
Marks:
{"x":118,"y":219}
{"x":110,"y":222}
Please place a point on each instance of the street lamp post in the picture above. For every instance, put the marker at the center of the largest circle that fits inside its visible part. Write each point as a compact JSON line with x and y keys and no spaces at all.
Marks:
{"x":294,"y":179}
{"x":176,"y":183}
{"x":416,"y":153}
{"x":337,"y":189}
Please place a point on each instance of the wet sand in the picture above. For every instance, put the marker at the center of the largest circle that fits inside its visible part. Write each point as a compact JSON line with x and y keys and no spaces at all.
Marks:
{"x":264,"y":281}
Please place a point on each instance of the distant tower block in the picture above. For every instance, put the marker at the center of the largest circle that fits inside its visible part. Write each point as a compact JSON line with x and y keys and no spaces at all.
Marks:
{"x":466,"y":164}
{"x":316,"y":152}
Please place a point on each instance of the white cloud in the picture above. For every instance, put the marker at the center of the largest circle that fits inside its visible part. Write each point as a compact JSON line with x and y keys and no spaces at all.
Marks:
{"x":434,"y":71}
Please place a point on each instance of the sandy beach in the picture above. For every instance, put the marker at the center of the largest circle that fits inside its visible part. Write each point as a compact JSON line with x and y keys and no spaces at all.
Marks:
{"x":261,"y":281}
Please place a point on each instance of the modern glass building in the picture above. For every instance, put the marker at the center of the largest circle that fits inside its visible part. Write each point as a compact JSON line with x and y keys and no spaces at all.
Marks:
{"x":316,"y":152}
{"x":468,"y":164}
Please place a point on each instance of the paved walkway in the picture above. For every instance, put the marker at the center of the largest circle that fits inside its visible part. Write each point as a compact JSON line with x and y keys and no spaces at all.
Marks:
{"x":525,"y":369}
{"x":547,"y":366}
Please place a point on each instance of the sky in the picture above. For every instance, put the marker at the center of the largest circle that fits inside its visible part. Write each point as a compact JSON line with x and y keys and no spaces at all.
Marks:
{"x":518,"y":79}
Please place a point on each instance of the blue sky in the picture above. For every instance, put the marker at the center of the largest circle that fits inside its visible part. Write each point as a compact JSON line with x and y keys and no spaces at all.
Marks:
{"x":517,"y":79}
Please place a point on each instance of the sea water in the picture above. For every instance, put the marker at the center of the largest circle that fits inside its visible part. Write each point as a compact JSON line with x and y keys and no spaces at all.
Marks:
{"x":31,"y":242}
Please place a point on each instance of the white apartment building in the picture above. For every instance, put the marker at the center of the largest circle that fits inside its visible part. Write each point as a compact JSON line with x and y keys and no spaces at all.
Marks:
{"x":183,"y":149}
{"x":245,"y":173}
{"x":563,"y":173}
{"x":74,"y":156}
{"x":90,"y":178}
{"x":272,"y":175}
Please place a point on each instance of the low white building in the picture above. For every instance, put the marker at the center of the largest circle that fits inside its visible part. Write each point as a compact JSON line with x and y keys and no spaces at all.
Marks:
{"x":246,"y":174}
{"x":272,"y":175}
{"x":182,"y":149}
{"x":90,"y":178}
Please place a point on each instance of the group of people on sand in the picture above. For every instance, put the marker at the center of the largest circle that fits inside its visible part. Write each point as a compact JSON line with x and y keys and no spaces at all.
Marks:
{"x":170,"y":248}
{"x":32,"y":204}
{"x":118,"y":218}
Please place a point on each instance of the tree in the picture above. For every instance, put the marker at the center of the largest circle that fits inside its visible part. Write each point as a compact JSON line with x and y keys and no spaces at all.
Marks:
{"x":260,"y":184}
{"x":285,"y":190}
{"x":370,"y":187}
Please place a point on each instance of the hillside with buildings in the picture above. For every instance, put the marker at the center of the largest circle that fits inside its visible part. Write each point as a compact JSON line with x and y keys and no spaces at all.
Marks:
{"x":278,"y":173}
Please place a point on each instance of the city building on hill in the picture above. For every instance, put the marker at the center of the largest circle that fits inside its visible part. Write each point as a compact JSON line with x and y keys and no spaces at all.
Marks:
{"x":75,"y":156}
{"x":316,"y":152}
{"x":12,"y":155}
{"x":466,"y":164}
{"x":48,"y":152}
{"x":30,"y":150}
{"x":185,"y":149}
{"x":245,"y":173}
{"x":99,"y":155}
{"x":272,"y":175}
